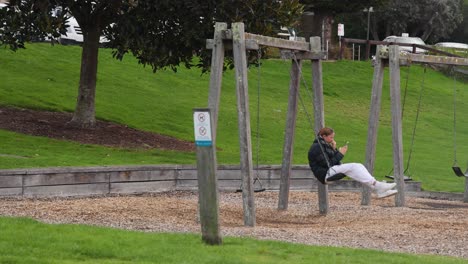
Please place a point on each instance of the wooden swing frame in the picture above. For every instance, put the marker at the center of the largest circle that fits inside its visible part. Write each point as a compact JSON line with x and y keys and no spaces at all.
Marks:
{"x":392,"y":57}
{"x":240,"y":41}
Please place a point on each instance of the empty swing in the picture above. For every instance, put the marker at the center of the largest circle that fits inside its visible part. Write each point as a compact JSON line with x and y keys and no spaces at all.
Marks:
{"x":259,"y":187}
{"x":406,"y":172}
{"x":458,"y":171}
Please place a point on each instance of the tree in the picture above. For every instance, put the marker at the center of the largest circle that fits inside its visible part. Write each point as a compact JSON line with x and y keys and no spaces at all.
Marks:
{"x":340,"y":6}
{"x":164,"y":33}
{"x":460,"y":34}
{"x":428,"y":19}
{"x":25,"y":20}
{"x":174,"y":30}
{"x":319,"y":14}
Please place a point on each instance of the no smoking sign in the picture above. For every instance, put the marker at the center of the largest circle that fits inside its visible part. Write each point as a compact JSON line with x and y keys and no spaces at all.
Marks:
{"x":202,"y":127}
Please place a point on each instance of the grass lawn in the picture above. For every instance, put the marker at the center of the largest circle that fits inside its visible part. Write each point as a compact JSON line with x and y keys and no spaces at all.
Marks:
{"x":46,"y":77}
{"x":27,"y":241}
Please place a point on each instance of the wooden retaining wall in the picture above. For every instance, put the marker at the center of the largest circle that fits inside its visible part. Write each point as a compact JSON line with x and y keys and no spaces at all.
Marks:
{"x":85,"y":181}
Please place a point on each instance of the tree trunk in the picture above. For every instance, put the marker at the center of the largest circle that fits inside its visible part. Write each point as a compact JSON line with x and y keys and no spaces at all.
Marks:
{"x":388,"y":30}
{"x":426,"y":32}
{"x":318,"y":25}
{"x":84,"y":115}
{"x":374,"y":30}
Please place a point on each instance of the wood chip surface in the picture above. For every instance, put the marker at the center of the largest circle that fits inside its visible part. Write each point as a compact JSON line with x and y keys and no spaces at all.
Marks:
{"x":423,"y":226}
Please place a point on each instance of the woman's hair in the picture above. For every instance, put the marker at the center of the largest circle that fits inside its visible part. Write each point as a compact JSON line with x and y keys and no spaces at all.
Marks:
{"x":326,"y":131}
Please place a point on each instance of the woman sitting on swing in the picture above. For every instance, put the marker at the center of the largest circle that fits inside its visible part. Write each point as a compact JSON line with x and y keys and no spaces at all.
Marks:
{"x":325,"y":163}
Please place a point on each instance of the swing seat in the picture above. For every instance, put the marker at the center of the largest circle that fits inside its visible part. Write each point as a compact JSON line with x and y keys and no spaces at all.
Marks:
{"x":255,"y":190}
{"x":405,"y":178}
{"x":459,"y":172}
{"x":336,"y":177}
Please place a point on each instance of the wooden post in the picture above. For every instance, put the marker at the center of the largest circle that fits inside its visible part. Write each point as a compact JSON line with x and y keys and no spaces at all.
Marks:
{"x":206,"y":172}
{"x":465,"y":195}
{"x":240,"y":63}
{"x":289,"y":134}
{"x":319,"y":115}
{"x":397,"y":138}
{"x":216,"y":76}
{"x":342,"y":48}
{"x":376,"y":101}
{"x":368,"y":48}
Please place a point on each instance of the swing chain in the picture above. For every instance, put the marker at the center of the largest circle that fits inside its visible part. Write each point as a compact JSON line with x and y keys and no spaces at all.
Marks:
{"x":307,"y":89}
{"x":408,"y":162}
{"x":305,"y":109}
{"x":417,"y":117}
{"x":454,"y":118}
{"x":259,"y":57}
{"x":257,"y":132}
{"x":406,"y":89}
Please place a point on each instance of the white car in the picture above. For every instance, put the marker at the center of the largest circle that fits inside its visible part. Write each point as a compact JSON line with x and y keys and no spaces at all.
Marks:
{"x":407,"y":40}
{"x":453,"y":47}
{"x":74,"y":34}
{"x":287,"y":33}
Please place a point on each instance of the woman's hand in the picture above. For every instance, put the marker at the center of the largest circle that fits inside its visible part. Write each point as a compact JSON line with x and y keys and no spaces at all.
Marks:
{"x":343,"y":149}
{"x":333,"y":144}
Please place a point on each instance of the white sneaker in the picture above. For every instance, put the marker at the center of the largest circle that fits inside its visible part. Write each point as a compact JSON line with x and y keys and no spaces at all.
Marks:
{"x":380,"y":187}
{"x":386,"y":193}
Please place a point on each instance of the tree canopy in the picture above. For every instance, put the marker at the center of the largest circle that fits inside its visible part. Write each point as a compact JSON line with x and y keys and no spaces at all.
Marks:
{"x":340,"y":6}
{"x":460,"y":34}
{"x":160,"y":33}
{"x":24,"y":21}
{"x":166,"y":33}
{"x":429,"y":19}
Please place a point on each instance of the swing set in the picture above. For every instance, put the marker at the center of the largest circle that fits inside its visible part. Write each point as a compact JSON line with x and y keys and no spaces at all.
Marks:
{"x":392,"y":57}
{"x":455,"y":167}
{"x":240,"y":41}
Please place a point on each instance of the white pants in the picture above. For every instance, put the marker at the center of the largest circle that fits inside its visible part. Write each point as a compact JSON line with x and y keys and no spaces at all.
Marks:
{"x":355,"y":171}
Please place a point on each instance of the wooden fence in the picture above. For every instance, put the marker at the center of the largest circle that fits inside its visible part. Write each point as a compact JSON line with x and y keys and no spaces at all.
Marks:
{"x":87,"y":181}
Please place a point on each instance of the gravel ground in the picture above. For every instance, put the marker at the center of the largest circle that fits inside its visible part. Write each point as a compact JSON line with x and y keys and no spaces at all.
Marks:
{"x":424,"y":226}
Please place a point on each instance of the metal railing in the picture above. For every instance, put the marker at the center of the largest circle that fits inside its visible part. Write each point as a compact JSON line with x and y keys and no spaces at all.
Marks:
{"x":369,"y":43}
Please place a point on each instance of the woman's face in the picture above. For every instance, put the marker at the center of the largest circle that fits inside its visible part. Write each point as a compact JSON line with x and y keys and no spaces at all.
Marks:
{"x":329,"y":138}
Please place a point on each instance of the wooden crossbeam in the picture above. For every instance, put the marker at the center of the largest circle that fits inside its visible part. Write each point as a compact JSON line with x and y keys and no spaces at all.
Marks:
{"x":253,"y":41}
{"x":288,"y":54}
{"x":408,"y":58}
{"x":422,"y":58}
{"x":279,"y":42}
{"x":249,"y":44}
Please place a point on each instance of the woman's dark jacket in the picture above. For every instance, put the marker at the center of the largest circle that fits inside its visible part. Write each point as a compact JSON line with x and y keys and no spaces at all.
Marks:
{"x":318,"y":162}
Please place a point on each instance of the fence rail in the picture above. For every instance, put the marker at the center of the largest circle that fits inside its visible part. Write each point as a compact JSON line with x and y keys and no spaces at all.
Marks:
{"x":86,"y":181}
{"x":370,"y":43}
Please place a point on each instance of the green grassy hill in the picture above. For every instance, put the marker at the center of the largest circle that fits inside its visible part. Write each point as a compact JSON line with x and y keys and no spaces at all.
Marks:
{"x":46,"y":77}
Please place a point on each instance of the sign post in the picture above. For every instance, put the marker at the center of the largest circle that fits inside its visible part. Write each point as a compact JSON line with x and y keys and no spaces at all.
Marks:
{"x":340,"y":32}
{"x":207,"y":180}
